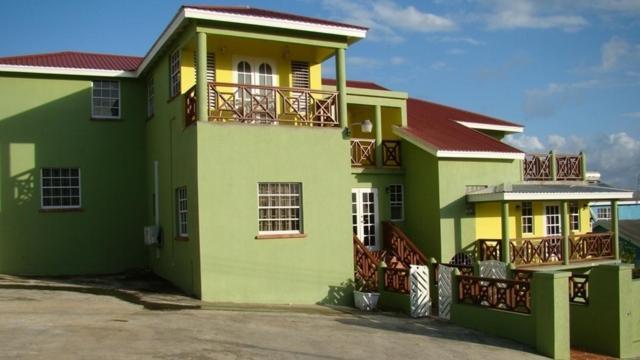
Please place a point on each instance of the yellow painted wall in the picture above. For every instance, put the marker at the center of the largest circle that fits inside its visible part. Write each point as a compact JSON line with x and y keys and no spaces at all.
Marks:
{"x":489,"y":220}
{"x":390,"y":117}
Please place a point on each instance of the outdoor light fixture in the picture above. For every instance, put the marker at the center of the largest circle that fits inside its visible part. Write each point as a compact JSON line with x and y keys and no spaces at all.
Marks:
{"x":365,"y":126}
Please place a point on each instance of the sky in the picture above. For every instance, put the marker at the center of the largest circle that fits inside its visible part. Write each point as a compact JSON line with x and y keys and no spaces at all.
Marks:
{"x":568,"y":70}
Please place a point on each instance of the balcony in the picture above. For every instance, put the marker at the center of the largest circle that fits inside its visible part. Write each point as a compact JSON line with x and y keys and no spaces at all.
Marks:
{"x":363,"y":153}
{"x":549,"y":250}
{"x":552,"y":167}
{"x":269,"y":105}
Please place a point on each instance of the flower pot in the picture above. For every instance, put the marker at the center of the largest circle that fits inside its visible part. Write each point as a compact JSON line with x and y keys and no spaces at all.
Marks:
{"x":366,"y":301}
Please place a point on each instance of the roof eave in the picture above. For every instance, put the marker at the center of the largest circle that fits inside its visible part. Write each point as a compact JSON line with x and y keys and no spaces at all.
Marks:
{"x":67,"y":71}
{"x":560,"y":195}
{"x":511,"y":129}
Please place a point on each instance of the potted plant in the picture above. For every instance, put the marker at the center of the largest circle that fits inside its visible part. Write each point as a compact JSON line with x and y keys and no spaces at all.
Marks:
{"x":365,"y":295}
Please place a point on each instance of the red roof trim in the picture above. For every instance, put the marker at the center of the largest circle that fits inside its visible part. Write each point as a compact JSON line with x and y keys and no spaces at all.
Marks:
{"x":76,"y":60}
{"x":356,"y":84}
{"x":252,"y":11}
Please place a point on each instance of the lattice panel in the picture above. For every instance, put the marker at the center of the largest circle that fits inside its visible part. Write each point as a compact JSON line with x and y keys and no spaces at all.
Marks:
{"x":444,"y":291}
{"x":492,"y":269}
{"x":419,"y":296}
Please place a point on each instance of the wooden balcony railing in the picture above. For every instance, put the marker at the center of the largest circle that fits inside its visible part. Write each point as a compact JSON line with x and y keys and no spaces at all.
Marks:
{"x":363,"y":152}
{"x":366,"y":266}
{"x":391,"y":153}
{"x":396,"y":280}
{"x":399,"y":246}
{"x":503,"y":294}
{"x":548,"y":250}
{"x":591,"y":246}
{"x":540,"y":167}
{"x":256,"y":104}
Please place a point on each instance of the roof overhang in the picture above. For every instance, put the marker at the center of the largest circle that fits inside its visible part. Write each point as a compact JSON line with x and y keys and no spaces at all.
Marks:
{"x":460,"y":154}
{"x":494,"y":127}
{"x":67,"y":71}
{"x":549,"y":196}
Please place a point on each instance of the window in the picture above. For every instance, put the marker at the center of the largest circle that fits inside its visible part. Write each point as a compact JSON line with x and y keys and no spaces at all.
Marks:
{"x":182,"y":211}
{"x":527,"y":217}
{"x":150,"y":98}
{"x":60,"y":188}
{"x":552,"y":218}
{"x":174,"y":74}
{"x":244,"y":73}
{"x":574,"y":216}
{"x":396,"y":202}
{"x":105,"y":99}
{"x":300,"y":74}
{"x":603,"y":213}
{"x":279,"y":208}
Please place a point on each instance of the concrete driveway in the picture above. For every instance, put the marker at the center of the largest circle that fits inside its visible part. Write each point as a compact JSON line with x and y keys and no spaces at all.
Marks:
{"x":61,"y":321}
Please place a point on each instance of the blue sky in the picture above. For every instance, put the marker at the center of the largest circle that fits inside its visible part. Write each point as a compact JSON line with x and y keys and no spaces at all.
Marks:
{"x":568,"y":70}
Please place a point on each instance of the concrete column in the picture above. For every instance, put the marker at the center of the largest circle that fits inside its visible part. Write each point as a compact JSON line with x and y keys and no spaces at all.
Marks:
{"x":554,"y":165}
{"x":505,"y":248}
{"x":564,"y":225}
{"x":615,"y":239}
{"x":378,"y":129}
{"x":202,"y":95}
{"x":550,"y":309}
{"x":341,"y":86}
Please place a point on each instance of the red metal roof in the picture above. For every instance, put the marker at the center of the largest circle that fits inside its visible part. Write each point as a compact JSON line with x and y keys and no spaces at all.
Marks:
{"x":456,"y":114}
{"x":76,"y":60}
{"x":355,"y":84}
{"x":251,"y":11}
{"x":435,"y":124}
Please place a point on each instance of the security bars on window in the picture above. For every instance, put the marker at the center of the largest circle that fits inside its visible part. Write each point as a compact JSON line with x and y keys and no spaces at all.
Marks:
{"x":182,"y":211}
{"x":396,"y":202}
{"x":174,"y":74}
{"x":527,"y":217}
{"x":279,"y":208}
{"x":105,"y":99}
{"x":60,"y":188}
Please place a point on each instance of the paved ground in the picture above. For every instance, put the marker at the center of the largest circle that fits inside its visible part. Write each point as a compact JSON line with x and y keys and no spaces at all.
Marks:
{"x":41,"y":319}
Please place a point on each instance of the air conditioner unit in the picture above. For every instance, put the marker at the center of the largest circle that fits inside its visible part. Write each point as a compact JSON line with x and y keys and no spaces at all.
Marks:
{"x":151,"y":235}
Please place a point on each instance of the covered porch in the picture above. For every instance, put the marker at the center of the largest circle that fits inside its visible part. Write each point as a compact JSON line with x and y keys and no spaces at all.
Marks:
{"x":546,"y":224}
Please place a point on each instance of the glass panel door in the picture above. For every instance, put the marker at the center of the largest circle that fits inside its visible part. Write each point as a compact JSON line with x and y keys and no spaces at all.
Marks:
{"x":364,"y":217}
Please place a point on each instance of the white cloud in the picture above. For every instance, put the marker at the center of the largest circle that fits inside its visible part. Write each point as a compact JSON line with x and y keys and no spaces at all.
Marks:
{"x":616,"y":156}
{"x":612,"y":51}
{"x":632,"y":114}
{"x":438,"y":65}
{"x":397,"y":60}
{"x":456,"y":51}
{"x":386,"y":20}
{"x":527,"y":14}
{"x":546,"y":102}
{"x":462,"y":40}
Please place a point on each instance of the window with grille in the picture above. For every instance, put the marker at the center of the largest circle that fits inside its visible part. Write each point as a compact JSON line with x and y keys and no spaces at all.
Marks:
{"x":60,"y":188}
{"x":300,"y":74}
{"x":182,"y":211}
{"x":174,"y":74}
{"x":279,"y":208}
{"x":105,"y":99}
{"x":552,"y":217}
{"x":574,"y":217}
{"x":150,"y":98}
{"x":396,"y":202}
{"x":603,"y":213}
{"x":527,"y":217}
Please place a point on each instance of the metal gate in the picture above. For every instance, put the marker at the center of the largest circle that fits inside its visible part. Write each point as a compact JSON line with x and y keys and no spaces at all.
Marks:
{"x":444,"y":291}
{"x":419,"y":296}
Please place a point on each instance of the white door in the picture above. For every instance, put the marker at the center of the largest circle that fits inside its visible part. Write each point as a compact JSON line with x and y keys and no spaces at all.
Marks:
{"x":552,"y":220}
{"x":364,"y":215}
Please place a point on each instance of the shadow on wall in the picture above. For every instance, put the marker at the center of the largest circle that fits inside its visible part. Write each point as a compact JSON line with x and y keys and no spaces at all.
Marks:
{"x":102,"y":237}
{"x":340,"y":295}
{"x":456,"y":212}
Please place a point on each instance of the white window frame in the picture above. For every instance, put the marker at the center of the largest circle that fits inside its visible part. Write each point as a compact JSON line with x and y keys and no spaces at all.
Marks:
{"x":603,"y":209}
{"x":396,"y":203}
{"x":151,"y":101}
{"x":546,"y":222}
{"x":182,"y":208}
{"x":174,"y":74}
{"x":70,"y":187}
{"x":93,"y":114}
{"x":279,"y":207}
{"x":523,"y":217}
{"x":574,"y":217}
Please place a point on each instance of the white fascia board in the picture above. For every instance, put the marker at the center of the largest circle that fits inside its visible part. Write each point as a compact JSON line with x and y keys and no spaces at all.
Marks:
{"x":479,"y":154}
{"x":482,"y":126}
{"x":275,"y":23}
{"x":607,"y":203}
{"x":66,"y":71}
{"x":515,"y":196}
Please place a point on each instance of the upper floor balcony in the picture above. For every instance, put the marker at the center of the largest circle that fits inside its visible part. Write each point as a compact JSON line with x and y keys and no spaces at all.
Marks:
{"x":554,"y":167}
